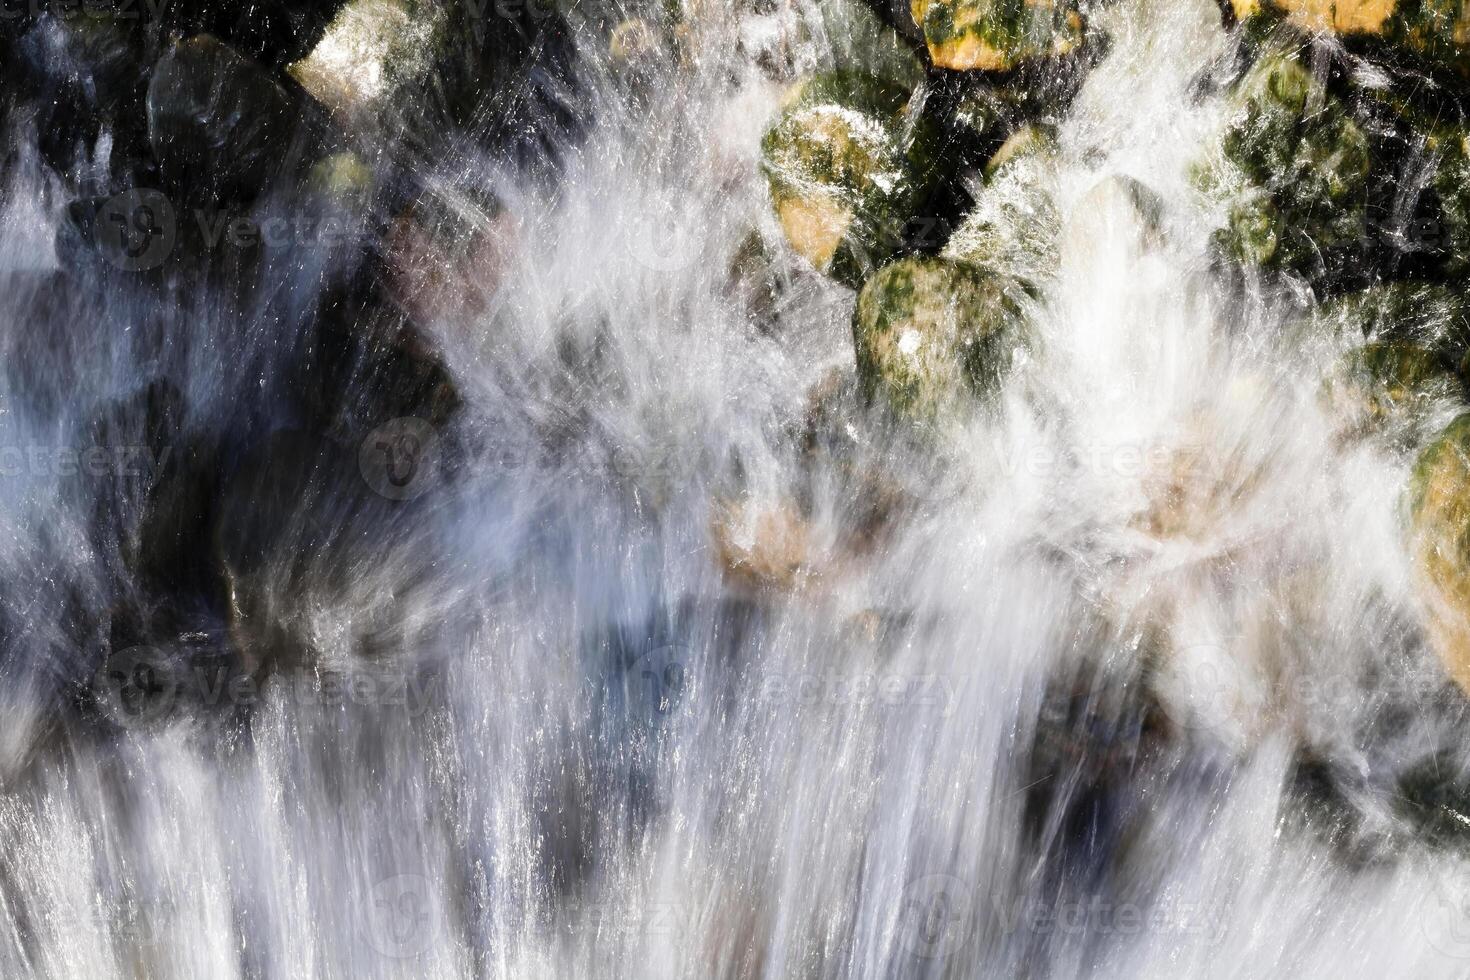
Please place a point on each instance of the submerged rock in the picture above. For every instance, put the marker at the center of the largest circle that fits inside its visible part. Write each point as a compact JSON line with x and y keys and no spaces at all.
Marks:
{"x":1292,"y":169}
{"x":1440,"y":512}
{"x":763,"y":547}
{"x":87,"y":73}
{"x":846,"y":172}
{"x":220,"y":125}
{"x":930,"y":331}
{"x":997,"y":35}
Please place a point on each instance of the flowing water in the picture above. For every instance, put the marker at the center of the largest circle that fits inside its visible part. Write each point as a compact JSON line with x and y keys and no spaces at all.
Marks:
{"x":547,"y":735}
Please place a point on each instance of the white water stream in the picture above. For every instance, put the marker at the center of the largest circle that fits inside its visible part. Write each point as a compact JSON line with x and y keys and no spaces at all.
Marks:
{"x":589,"y":753}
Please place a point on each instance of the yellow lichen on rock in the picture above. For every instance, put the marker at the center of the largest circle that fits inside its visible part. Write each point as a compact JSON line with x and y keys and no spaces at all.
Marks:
{"x":995,"y":35}
{"x":1441,"y":545}
{"x":1338,"y":16}
{"x":815,"y":227}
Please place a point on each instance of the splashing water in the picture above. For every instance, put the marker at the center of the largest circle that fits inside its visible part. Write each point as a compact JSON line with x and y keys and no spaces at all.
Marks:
{"x":579,"y":747}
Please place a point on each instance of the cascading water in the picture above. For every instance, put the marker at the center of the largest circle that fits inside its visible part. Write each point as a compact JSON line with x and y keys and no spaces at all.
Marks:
{"x":544,"y":730}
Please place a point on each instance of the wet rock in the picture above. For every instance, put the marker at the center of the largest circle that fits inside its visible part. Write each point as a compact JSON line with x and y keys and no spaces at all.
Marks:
{"x":87,"y":74}
{"x":370,"y":50}
{"x":1032,"y":141}
{"x":1428,"y":315}
{"x":281,"y":534}
{"x":414,"y":73}
{"x":930,"y":333}
{"x":847,"y":172}
{"x":344,"y":179}
{"x":446,"y":256}
{"x":1434,"y":798}
{"x":1014,"y":225}
{"x":1436,"y":31}
{"x":1389,"y":383}
{"x":997,"y":35}
{"x":1118,"y":213}
{"x":763,"y":547}
{"x":162,"y":479}
{"x":1292,"y":171}
{"x":634,"y":49}
{"x":275,"y":32}
{"x":854,"y":36}
{"x":1439,"y":495}
{"x":220,"y":126}
{"x":1448,"y":225}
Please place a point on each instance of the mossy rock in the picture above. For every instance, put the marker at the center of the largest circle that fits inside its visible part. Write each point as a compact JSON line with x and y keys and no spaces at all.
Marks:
{"x":1033,"y":140}
{"x":1388,"y":382}
{"x":1426,"y":315}
{"x":997,"y":35}
{"x":1439,"y":494}
{"x":1449,"y":148}
{"x":1292,"y":168}
{"x":1436,"y":30}
{"x":846,"y":174}
{"x":1014,"y":225}
{"x":853,"y":38}
{"x":928,"y":332}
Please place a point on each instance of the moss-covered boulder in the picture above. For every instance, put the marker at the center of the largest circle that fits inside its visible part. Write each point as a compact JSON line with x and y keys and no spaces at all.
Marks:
{"x":850,"y":35}
{"x":931,"y":332}
{"x":1438,"y":30}
{"x":1291,"y":171}
{"x":847,"y":170}
{"x":997,"y":35}
{"x":1015,"y":225}
{"x":1448,"y":225}
{"x":1440,"y":512}
{"x":1388,"y":382}
{"x":1427,"y":315}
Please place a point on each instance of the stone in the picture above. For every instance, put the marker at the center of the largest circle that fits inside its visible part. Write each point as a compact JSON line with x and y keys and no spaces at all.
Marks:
{"x":931,"y":333}
{"x":846,"y":172}
{"x":1292,"y":173}
{"x":1439,"y":506}
{"x":997,"y":35}
{"x":221,"y":127}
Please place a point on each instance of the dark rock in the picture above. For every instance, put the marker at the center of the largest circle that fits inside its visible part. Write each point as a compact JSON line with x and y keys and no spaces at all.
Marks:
{"x":220,"y":126}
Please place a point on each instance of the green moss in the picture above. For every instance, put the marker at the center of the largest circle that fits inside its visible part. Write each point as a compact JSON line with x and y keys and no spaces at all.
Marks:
{"x":1293,"y":168}
{"x":928,"y":332}
{"x":1447,"y":454}
{"x":1428,"y":315}
{"x":1390,"y":381}
{"x":1013,"y":30}
{"x":842,"y":152}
